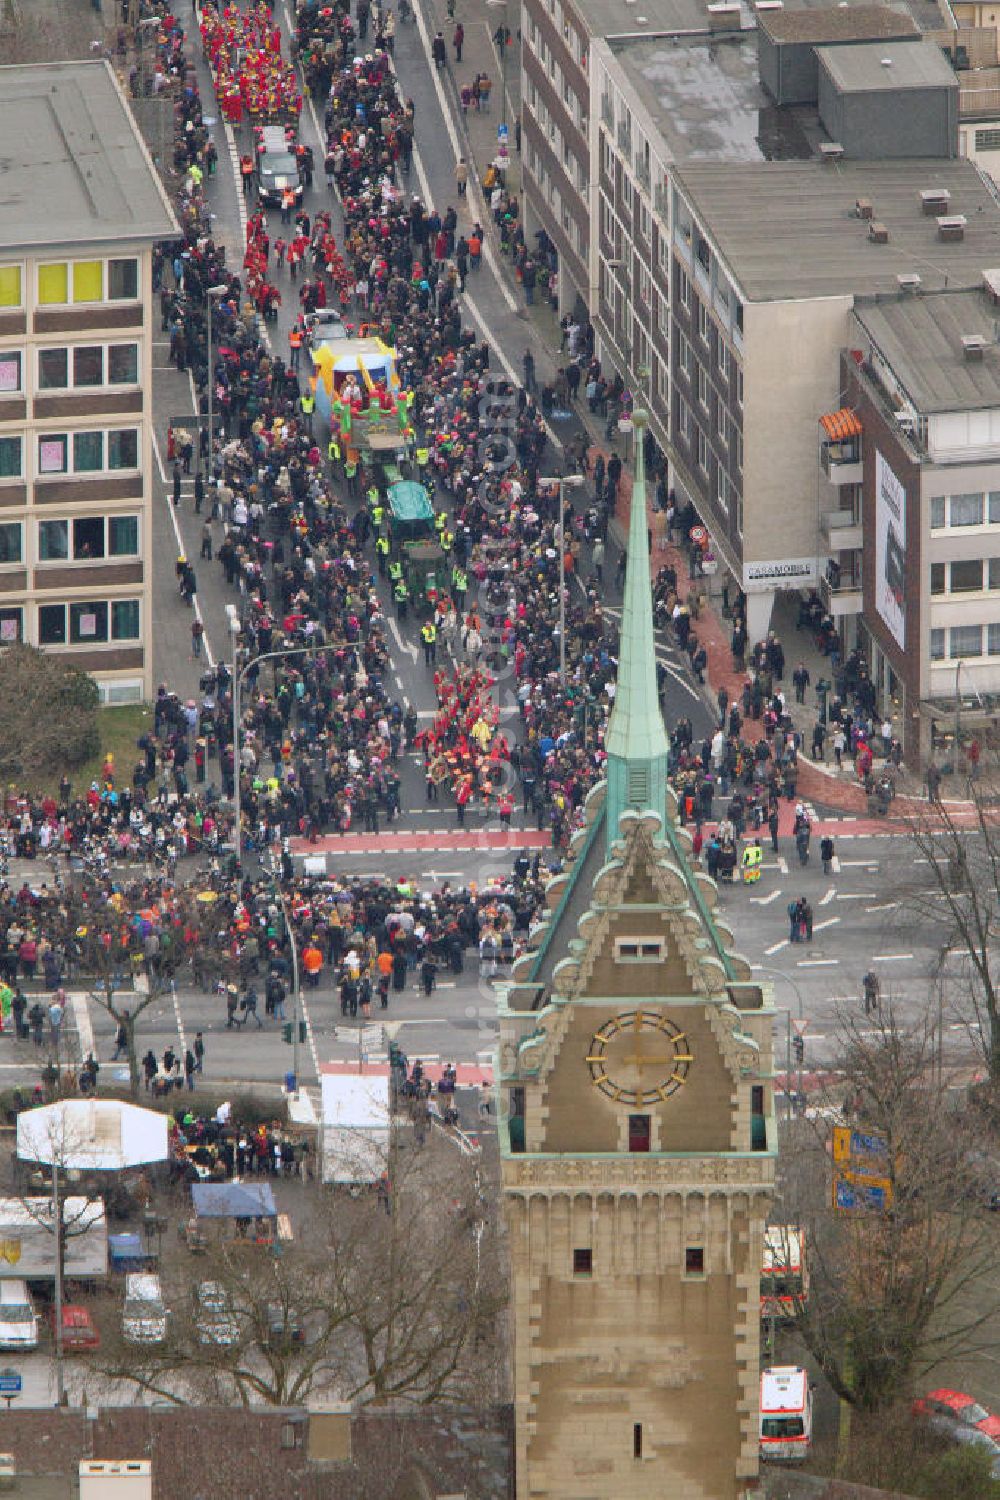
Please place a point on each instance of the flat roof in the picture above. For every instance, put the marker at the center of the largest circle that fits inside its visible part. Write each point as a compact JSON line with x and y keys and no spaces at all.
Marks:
{"x":611,"y":18}
{"x":705,"y":98}
{"x":886,"y":67}
{"x":835,"y":23}
{"x":921,"y":339}
{"x":75,"y":168}
{"x":789,"y":229}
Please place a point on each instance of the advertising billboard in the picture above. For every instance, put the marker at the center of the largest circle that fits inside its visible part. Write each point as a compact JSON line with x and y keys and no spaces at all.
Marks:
{"x":890,"y":550}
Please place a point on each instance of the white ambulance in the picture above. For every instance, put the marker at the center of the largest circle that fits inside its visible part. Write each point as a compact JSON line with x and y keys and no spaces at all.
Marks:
{"x":786,"y":1409}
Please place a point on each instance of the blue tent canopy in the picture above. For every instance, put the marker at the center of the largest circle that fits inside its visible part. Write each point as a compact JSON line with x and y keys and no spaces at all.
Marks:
{"x":233,"y":1200}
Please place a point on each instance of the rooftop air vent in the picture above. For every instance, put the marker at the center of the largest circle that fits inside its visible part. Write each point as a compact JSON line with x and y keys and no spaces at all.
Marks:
{"x":831,"y":150}
{"x":723,"y":15}
{"x":908,"y":282}
{"x":934,"y":201}
{"x":991,"y":286}
{"x":973,"y":346}
{"x":768,"y":4}
{"x":952,"y":228}
{"x":863,"y":209}
{"x":878,"y":233}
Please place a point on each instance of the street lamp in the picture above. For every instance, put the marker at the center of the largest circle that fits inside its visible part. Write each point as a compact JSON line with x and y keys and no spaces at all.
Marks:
{"x":212,"y":293}
{"x":780,"y":974}
{"x":563,"y":482}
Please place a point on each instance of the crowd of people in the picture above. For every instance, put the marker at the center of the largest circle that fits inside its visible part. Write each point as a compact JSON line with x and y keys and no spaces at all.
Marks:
{"x":252,"y":79}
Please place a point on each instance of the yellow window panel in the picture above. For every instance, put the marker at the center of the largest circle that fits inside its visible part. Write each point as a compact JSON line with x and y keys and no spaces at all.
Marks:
{"x":10,"y":286}
{"x":53,"y":283}
{"x":88,"y":281}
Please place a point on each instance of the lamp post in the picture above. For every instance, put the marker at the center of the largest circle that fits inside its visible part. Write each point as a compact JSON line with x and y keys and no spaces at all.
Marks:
{"x":780,"y":974}
{"x":238,"y":675}
{"x":562,"y":482}
{"x":212,"y":294}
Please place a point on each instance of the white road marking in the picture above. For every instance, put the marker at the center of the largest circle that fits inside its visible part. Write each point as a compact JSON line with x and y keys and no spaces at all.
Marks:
{"x":890,"y":958}
{"x":852,"y":895}
{"x":181,"y":551}
{"x":835,"y":864}
{"x":825,"y":900}
{"x":765,"y":900}
{"x":886,"y":906}
{"x":817,"y":963}
{"x":776,"y":947}
{"x":782,"y":864}
{"x":829,"y":922}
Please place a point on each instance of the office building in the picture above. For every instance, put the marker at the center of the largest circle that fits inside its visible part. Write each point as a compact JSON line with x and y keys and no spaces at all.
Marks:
{"x":83,"y":208}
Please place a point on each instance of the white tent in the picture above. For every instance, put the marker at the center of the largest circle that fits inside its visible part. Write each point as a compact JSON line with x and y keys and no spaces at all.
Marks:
{"x":355,"y":1127}
{"x":91,"y":1135}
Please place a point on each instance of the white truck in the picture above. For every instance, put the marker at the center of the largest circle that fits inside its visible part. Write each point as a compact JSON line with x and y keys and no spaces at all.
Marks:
{"x":28,"y":1239}
{"x":786,"y":1412}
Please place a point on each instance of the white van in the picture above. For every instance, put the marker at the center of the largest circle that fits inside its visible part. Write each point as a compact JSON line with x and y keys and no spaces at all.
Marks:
{"x":18,"y":1319}
{"x":144,"y":1317}
{"x":786,"y":1407}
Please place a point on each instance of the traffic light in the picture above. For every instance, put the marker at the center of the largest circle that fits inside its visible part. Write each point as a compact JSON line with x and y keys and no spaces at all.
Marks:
{"x":286,"y":1033}
{"x":799,"y":1048}
{"x":303,"y":1031}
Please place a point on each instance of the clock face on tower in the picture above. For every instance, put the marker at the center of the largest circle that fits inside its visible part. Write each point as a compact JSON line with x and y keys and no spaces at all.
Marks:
{"x":639,"y":1058}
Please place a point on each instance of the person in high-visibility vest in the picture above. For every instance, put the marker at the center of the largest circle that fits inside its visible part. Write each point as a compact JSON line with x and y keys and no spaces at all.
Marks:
{"x":751,"y":862}
{"x":447,"y":540}
{"x":307,"y":405}
{"x":423,"y":456}
{"x":428,"y":635}
{"x":382,"y":553}
{"x":459,"y":587}
{"x":295,"y":345}
{"x":401,"y":594}
{"x":395,"y":571}
{"x":378,"y":513}
{"x":333,"y":452}
{"x":440,"y":521}
{"x":351,"y":475}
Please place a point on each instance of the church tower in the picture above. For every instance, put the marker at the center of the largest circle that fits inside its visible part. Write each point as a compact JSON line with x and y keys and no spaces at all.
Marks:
{"x":638,"y":1140}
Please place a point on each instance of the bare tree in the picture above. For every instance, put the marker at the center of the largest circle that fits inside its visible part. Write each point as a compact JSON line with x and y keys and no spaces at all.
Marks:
{"x":887,"y":1287}
{"x":960,"y":911}
{"x":49,"y":721}
{"x":367,"y":1304}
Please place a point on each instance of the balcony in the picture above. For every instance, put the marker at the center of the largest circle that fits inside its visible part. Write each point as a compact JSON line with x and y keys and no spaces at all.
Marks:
{"x":842,"y":531}
{"x":841,"y":461}
{"x":840,"y":588}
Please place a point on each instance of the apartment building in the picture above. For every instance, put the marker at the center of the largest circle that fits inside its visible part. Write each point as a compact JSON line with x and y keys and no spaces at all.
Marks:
{"x":83,"y":208}
{"x":921,"y":474}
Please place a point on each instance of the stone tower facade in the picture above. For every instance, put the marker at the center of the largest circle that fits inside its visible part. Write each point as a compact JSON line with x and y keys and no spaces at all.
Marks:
{"x":638,"y":1146}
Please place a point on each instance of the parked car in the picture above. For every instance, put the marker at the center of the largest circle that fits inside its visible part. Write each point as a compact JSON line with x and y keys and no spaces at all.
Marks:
{"x":144,"y":1317}
{"x":960,"y":1410}
{"x":78,"y":1330}
{"x":954,"y":1432}
{"x":214,"y":1315}
{"x":18,"y":1319}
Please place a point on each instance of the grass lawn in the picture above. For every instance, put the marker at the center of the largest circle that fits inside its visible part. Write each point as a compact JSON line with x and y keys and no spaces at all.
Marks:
{"x":118,"y":729}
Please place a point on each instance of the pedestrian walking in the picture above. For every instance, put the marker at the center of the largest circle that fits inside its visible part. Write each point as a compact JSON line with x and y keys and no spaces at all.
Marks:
{"x":199,"y":1052}
{"x":462,"y":176}
{"x":458,"y":41}
{"x":121,"y":1038}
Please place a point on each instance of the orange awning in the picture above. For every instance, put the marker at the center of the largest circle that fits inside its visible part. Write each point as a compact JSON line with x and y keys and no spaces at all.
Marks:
{"x":841,"y":424}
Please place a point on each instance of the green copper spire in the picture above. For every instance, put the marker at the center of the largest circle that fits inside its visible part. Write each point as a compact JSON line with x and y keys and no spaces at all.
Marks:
{"x":637,"y":743}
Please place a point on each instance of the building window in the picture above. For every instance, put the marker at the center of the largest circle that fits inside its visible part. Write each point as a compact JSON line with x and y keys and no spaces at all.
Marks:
{"x":937,"y":645}
{"x":53,"y":541}
{"x":636,"y":1439}
{"x":993,"y":639}
{"x":10,"y":543}
{"x":11,"y":625}
{"x":11,"y":294}
{"x":739,"y":386}
{"x":694,"y":1260}
{"x":638,"y":950}
{"x":683,"y":419}
{"x":88,"y":452}
{"x":93,"y":537}
{"x":702,"y":451}
{"x":583,"y":1262}
{"x":967,"y":576}
{"x":937,"y":578}
{"x":61,"y":282}
{"x":11,"y":458}
{"x":725,"y":359}
{"x":993,"y":573}
{"x":638,"y":1133}
{"x":683,"y":288}
{"x":993,"y":507}
{"x":123,"y":364}
{"x":53,"y":369}
{"x":88,"y":365}
{"x":703,"y":322}
{"x":703,"y":253}
{"x":88,"y":622}
{"x":988,"y":140}
{"x":125,"y":620}
{"x":966,"y":510}
{"x":703,"y":387}
{"x":53,"y":453}
{"x":10,"y":372}
{"x":966,"y":640}
{"x":938,"y":519}
{"x":52,"y":625}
